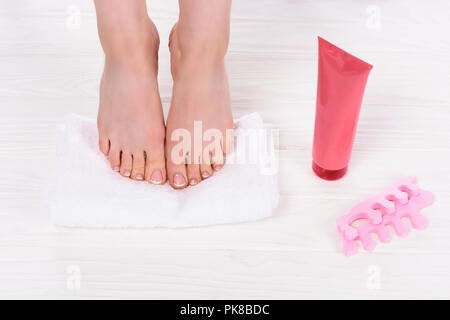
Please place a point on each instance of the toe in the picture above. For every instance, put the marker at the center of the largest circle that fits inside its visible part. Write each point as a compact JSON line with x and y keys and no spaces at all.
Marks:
{"x":176,"y":174}
{"x":193,"y":173}
{"x":126,"y":164}
{"x":217,"y":159}
{"x":206,"y":170}
{"x":217,"y":167}
{"x":176,"y":165}
{"x":179,"y":178}
{"x":155,"y":170}
{"x":103,"y":143}
{"x":157,"y":176}
{"x":114,"y":158}
{"x":138,"y":170}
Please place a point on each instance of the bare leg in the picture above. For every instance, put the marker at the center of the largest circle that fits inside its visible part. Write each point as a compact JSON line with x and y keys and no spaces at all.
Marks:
{"x":198,"y":44}
{"x":130,"y":118}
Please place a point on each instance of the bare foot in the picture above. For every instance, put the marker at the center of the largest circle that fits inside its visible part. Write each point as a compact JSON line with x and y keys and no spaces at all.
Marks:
{"x":200,"y":93}
{"x":130,"y":118}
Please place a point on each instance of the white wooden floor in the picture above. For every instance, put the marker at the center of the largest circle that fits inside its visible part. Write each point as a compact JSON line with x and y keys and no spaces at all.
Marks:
{"x":50,"y":63}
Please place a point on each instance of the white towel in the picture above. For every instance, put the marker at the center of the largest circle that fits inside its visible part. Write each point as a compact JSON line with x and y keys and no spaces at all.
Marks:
{"x":85,"y":192}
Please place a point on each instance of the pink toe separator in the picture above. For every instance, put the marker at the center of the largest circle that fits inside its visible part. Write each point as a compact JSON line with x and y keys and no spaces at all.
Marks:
{"x":403,"y":199}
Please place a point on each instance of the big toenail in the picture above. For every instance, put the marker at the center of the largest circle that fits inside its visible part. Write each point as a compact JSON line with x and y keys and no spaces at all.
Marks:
{"x":178,"y":180}
{"x":205,"y":174}
{"x":193,"y":182}
{"x":156,"y":177}
{"x":126,"y":173}
{"x":139,"y":177}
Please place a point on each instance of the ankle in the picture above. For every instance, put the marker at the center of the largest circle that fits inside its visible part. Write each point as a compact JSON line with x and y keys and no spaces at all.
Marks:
{"x":207,"y":47}
{"x":130,"y":41}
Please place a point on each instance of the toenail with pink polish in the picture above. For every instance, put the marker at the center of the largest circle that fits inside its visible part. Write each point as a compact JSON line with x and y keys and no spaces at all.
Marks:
{"x":139,"y":177}
{"x":218,"y":167}
{"x":178,"y":180}
{"x":156,"y":177}
{"x":116,"y":169}
{"x":193,"y":182}
{"x":126,"y":173}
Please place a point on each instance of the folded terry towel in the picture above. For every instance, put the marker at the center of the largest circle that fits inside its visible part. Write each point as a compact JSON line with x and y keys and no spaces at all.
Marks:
{"x":85,"y":192}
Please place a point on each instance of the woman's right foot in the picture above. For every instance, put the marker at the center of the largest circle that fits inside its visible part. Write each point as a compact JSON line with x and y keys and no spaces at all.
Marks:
{"x":130,"y":118}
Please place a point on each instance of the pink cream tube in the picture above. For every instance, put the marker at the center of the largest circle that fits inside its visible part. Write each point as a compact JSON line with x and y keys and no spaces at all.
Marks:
{"x":340,"y":88}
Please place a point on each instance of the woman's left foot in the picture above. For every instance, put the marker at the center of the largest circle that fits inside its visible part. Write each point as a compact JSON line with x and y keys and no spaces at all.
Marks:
{"x":200,"y":105}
